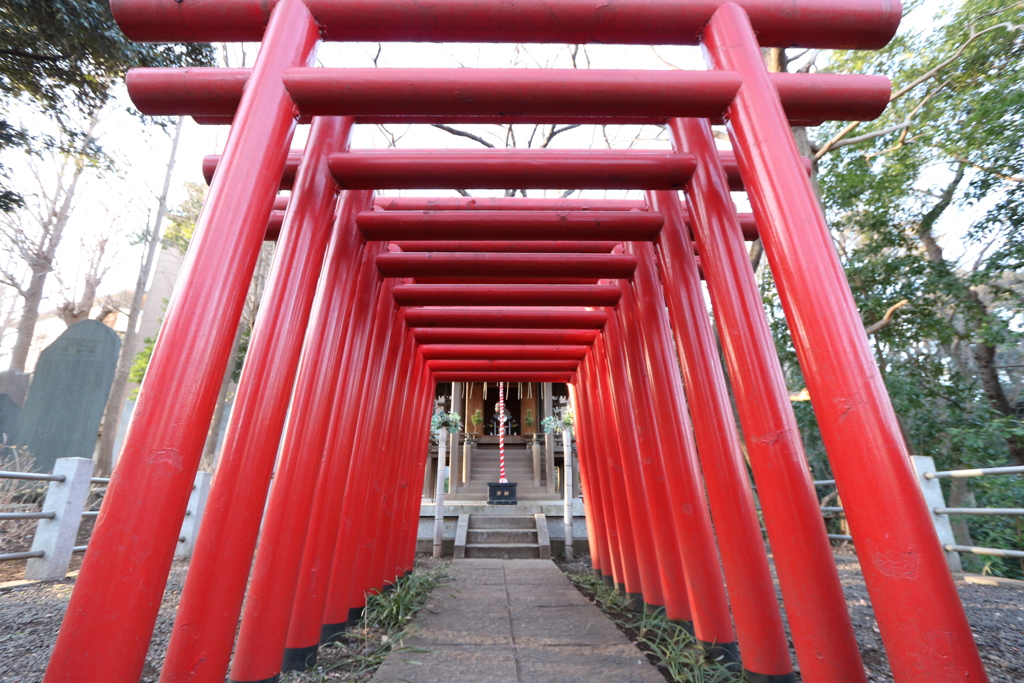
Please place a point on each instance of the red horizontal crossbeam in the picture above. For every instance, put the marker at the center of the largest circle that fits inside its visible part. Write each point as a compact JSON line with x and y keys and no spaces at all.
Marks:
{"x":460,"y":335}
{"x":503,"y":365}
{"x":600,"y":97}
{"x":498,"y":317}
{"x":507,"y":295}
{"x":728,"y":160}
{"x":479,"y":376}
{"x":495,"y":203}
{"x":527,"y":247}
{"x":502,"y":352}
{"x":851,"y":24}
{"x":512,"y":168}
{"x":367,"y":157}
{"x":511,"y":225}
{"x":496,"y":265}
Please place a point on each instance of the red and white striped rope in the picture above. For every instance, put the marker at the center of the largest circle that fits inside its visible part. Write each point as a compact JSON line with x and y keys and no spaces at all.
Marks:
{"x":501,"y":433}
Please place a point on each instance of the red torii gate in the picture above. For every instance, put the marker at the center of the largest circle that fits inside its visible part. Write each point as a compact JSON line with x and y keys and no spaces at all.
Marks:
{"x":615,"y":283}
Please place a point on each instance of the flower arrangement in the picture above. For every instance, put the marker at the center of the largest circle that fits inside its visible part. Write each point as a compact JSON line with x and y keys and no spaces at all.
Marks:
{"x":528,"y":420}
{"x":558,"y":424}
{"x":449,"y":421}
{"x":477,"y":418}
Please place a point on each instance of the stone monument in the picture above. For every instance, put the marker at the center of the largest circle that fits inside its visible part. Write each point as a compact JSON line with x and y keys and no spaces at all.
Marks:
{"x":69,"y":390}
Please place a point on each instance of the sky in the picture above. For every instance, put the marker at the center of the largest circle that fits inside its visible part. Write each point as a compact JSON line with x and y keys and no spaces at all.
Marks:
{"x":123,"y":200}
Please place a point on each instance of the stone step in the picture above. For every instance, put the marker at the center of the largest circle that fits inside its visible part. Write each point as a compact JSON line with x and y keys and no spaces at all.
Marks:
{"x":472,"y":497}
{"x":481,"y":486}
{"x":501,"y":536}
{"x":515,"y":551}
{"x":501,"y":522}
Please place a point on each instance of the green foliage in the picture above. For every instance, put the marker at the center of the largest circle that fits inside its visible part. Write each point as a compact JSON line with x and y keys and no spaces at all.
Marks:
{"x":359,"y":652}
{"x":678,"y":654}
{"x":138,"y":370}
{"x":930,"y":209}
{"x":63,"y":57}
{"x":449,"y":421}
{"x":554,"y":424}
{"x":184,"y":216}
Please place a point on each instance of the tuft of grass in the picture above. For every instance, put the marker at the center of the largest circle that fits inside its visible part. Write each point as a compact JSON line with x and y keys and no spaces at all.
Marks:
{"x":676,"y":652}
{"x":360,"y":651}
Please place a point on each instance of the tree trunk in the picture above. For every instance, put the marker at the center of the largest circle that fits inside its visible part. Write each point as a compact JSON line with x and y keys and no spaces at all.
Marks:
{"x":984,"y":354}
{"x":27,"y":323}
{"x":41,"y":262}
{"x":115,"y":401}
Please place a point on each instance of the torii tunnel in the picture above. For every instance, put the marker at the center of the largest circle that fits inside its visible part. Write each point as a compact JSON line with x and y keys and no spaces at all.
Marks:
{"x":371,"y":301}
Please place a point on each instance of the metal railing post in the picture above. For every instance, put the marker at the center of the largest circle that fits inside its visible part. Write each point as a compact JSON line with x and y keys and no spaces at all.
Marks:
{"x":193,"y":515}
{"x":56,"y":537}
{"x":923,"y":464}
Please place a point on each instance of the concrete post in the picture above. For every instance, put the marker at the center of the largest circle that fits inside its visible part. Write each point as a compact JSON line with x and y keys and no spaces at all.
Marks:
{"x":442,"y":438}
{"x":56,"y":537}
{"x":567,"y":503}
{"x":455,"y":477}
{"x":535,"y":447}
{"x":467,"y":457}
{"x":193,"y":515}
{"x":932,"y":490}
{"x":549,"y":446}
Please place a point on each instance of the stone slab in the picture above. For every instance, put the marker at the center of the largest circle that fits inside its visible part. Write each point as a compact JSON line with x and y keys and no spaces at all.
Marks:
{"x":513,"y":621}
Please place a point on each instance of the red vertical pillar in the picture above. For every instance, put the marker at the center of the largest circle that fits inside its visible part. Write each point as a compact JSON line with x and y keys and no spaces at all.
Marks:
{"x":596,"y":530}
{"x":755,"y":609}
{"x":264,"y":625}
{"x":383,"y":455}
{"x":619,"y":544}
{"x":336,"y":607}
{"x":419,"y":445}
{"x":342,"y":440}
{"x":822,"y":633}
{"x":397,"y":437}
{"x":207,"y":617}
{"x":643,"y":310}
{"x":629,"y":579}
{"x":377,"y":463}
{"x":918,"y":608}
{"x":645,"y":476}
{"x":412,"y":458}
{"x":109,"y":622}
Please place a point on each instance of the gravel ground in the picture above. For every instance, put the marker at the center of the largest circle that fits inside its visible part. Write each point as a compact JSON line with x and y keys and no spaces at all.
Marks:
{"x":30,"y":618}
{"x":996,"y":615}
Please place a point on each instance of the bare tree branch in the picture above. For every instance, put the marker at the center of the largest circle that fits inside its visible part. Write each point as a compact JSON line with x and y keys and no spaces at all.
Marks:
{"x":886,"y":319}
{"x":462,"y":134}
{"x":931,"y":73}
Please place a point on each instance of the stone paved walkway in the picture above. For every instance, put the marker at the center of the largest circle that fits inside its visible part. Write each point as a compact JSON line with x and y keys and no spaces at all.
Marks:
{"x":511,"y":621}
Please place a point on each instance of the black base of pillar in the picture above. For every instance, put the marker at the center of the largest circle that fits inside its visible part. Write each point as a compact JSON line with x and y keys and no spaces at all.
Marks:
{"x":724,"y":653}
{"x":408,"y":572}
{"x":388,"y":587}
{"x":330,"y":633}
{"x":635,"y":602}
{"x":272,"y":679}
{"x":752,"y":677}
{"x":355,"y":615}
{"x":609,"y":580}
{"x":299,"y":658}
